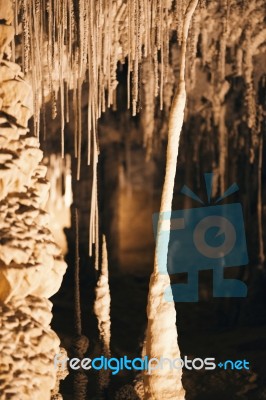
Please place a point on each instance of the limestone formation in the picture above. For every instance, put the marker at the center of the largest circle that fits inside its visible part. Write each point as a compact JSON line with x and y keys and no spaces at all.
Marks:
{"x":103,"y":301}
{"x":76,"y":45}
{"x":61,"y":373}
{"x":28,"y":346}
{"x":161,"y":331}
{"x":31,"y":265}
{"x":102,"y":312}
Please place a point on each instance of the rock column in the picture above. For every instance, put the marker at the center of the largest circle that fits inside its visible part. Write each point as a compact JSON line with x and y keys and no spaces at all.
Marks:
{"x":31,"y":265}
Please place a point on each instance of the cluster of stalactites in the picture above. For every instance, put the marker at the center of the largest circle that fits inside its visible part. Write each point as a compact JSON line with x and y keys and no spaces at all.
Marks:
{"x":224,"y":39}
{"x":66,"y":43}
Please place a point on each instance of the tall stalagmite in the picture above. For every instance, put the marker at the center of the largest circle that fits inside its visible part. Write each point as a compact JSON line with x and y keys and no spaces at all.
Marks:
{"x":161,"y":332}
{"x":31,"y":266}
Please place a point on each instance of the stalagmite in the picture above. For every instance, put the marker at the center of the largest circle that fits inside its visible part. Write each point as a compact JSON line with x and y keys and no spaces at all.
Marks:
{"x":31,"y":265}
{"x":80,"y":342}
{"x":103,"y":300}
{"x":102,"y":312}
{"x":161,"y":332}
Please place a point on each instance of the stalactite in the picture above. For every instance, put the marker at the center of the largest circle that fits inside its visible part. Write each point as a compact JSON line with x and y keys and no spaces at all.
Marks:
{"x":88,"y":45}
{"x":61,"y":79}
{"x":223,"y":42}
{"x":239,"y":61}
{"x":94,"y":218}
{"x":147,"y":116}
{"x":26,"y":35}
{"x":204,"y":44}
{"x":79,"y":127}
{"x":223,"y":146}
{"x":192,"y":48}
{"x":161,"y":331}
{"x":94,"y":36}
{"x":251,"y":45}
{"x":179,"y":13}
{"x":217,"y":99}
